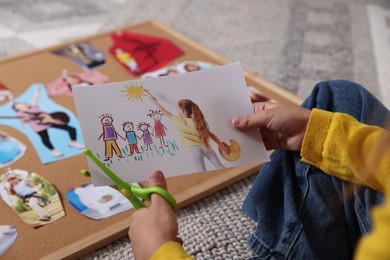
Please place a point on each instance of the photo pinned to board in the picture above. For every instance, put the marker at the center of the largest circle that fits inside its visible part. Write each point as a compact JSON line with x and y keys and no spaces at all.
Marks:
{"x":5,"y":93}
{"x":53,"y":130}
{"x":31,"y":196}
{"x":179,"y":124}
{"x":10,"y":149}
{"x":62,"y":86}
{"x":98,"y":202}
{"x":84,"y":54}
{"x":182,"y":67}
{"x":140,"y":53}
{"x":190,"y":66}
{"x":8,"y":235}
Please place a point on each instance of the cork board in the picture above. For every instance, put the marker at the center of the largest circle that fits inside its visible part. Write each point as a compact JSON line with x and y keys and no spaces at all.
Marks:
{"x":75,"y":235}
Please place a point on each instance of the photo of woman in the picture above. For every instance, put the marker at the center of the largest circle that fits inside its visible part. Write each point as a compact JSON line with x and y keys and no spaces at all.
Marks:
{"x":194,"y":132}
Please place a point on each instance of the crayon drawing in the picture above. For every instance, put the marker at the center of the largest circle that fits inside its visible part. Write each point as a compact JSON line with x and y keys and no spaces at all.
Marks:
{"x":179,"y":124}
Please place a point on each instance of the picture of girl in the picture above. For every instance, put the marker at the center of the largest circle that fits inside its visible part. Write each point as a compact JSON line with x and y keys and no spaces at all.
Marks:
{"x":40,"y":122}
{"x":194,"y":132}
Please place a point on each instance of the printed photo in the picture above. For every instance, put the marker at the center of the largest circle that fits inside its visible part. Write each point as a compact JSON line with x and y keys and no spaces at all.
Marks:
{"x":140,"y":53}
{"x":10,"y":149}
{"x":98,"y":202}
{"x":84,"y":54}
{"x":62,"y":86}
{"x":179,"y":124}
{"x":52,"y":129}
{"x":33,"y":198}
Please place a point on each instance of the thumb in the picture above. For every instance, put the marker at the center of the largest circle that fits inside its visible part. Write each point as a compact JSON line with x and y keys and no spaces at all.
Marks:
{"x":157,"y":179}
{"x":257,"y":120}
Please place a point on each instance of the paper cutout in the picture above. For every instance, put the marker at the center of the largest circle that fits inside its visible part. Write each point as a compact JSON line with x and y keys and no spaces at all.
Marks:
{"x":53,"y":130}
{"x":190,"y":66}
{"x":8,"y":235}
{"x":62,"y":86}
{"x":220,"y":94}
{"x":139,"y":53}
{"x":31,"y":196}
{"x":98,"y":202}
{"x":10,"y":149}
{"x":182,"y":67}
{"x":5,"y":93}
{"x":84,"y":54}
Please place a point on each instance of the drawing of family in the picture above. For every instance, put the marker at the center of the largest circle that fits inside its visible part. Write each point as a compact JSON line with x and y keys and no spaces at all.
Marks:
{"x":110,"y":135}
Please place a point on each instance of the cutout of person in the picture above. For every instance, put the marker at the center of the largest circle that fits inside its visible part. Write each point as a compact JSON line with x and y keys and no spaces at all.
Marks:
{"x":195,"y":133}
{"x":74,"y":80}
{"x":169,"y":71}
{"x":159,"y":128}
{"x":146,"y":134}
{"x":110,"y":136}
{"x":191,"y":67}
{"x":40,"y":122}
{"x":27,"y":191}
{"x":131,"y":137}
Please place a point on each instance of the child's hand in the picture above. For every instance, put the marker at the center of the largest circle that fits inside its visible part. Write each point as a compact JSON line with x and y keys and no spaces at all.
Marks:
{"x":150,"y":228}
{"x":281,"y":126}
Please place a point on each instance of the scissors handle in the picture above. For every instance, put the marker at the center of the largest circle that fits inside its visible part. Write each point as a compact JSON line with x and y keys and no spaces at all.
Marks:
{"x":146,"y":193}
{"x":131,"y":192}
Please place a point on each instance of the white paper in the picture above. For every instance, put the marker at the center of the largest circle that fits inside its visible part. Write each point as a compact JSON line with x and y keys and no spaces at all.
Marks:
{"x":221,"y":93}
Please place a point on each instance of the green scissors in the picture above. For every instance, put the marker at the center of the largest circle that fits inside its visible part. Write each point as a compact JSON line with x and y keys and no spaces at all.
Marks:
{"x":131,"y":192}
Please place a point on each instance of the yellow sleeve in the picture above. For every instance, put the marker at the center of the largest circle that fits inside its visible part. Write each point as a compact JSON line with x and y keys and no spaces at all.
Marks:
{"x":343,"y":147}
{"x":170,"y":250}
{"x":375,"y":245}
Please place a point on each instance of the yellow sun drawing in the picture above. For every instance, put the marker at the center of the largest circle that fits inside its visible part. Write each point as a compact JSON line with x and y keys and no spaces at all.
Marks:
{"x":135,"y":92}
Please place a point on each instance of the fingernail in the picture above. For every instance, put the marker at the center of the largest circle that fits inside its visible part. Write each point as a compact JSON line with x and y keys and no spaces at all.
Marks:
{"x":156,"y":176}
{"x":236,"y":121}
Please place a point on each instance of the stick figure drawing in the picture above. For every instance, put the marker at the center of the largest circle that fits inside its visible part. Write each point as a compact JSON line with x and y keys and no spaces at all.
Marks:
{"x":131,"y":137}
{"x":109,"y":137}
{"x":146,"y":135}
{"x":158,"y":129}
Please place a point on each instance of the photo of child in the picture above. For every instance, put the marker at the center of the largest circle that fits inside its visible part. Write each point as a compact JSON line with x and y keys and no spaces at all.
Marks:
{"x":98,"y":202}
{"x":52,"y":129}
{"x":31,"y":196}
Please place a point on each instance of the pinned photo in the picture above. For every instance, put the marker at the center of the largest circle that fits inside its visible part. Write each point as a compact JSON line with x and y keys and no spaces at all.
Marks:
{"x":31,"y":196}
{"x":52,"y":129}
{"x":8,"y":235}
{"x":140,"y":53}
{"x":182,"y":67}
{"x":10,"y":149}
{"x":98,"y":202}
{"x":62,"y":86}
{"x":84,"y":54}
